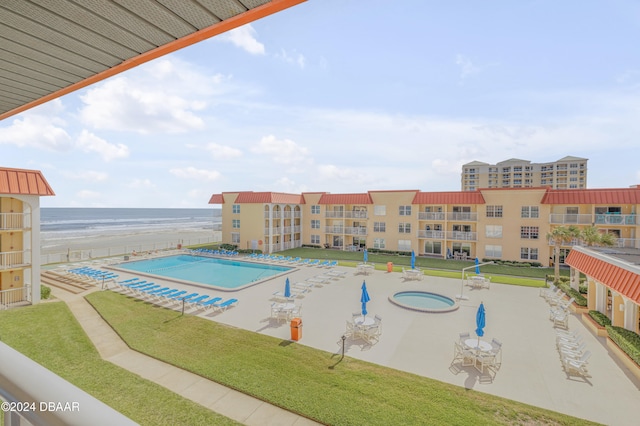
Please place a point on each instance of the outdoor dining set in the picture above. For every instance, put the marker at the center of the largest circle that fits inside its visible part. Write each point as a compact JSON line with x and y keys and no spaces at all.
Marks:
{"x":481,"y":354}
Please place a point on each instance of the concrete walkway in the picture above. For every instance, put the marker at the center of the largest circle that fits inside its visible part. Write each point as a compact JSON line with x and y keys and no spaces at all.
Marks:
{"x":228,"y":402}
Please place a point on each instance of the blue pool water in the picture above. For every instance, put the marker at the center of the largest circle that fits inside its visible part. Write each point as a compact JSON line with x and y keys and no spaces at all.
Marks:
{"x":222,"y":273}
{"x":424,"y":301}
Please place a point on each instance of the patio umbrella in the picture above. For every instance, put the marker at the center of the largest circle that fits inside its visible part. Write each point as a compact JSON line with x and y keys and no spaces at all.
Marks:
{"x":477,"y":266}
{"x":480,"y":321}
{"x":366,"y":256}
{"x":413,"y":259}
{"x":287,"y":288}
{"x":364,"y":298}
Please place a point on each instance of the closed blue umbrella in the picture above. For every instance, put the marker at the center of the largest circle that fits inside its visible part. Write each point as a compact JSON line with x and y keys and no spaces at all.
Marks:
{"x":366,"y":256}
{"x":480,"y":321}
{"x":287,"y":288}
{"x":477,"y":266}
{"x":364,"y":298}
{"x":413,"y":259}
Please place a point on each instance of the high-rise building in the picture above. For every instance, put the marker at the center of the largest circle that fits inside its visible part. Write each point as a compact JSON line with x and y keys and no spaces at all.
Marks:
{"x":566,"y":173}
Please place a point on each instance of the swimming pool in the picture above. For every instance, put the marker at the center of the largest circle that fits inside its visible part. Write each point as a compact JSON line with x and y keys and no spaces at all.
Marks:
{"x":424,"y":301}
{"x":222,"y":274}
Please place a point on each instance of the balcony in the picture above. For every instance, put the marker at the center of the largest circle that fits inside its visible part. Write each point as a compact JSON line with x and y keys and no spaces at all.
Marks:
{"x":346,"y":215}
{"x":433,"y":235}
{"x":355,"y":230}
{"x":570,"y":219}
{"x":597,"y":219}
{"x":274,"y":215}
{"x":15,"y":259}
{"x":431,"y":215}
{"x":274,"y":231}
{"x":334,"y":229}
{"x":462,"y":236}
{"x":463,"y":216}
{"x":11,"y":221}
{"x":616,"y":219}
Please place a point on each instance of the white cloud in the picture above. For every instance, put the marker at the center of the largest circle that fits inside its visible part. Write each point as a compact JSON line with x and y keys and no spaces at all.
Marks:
{"x":282,"y":151}
{"x":141,"y":184}
{"x":87,"y":141}
{"x":292,"y":58}
{"x":244,"y":37}
{"x":85,"y":193}
{"x":193,"y":173}
{"x":467,"y":68}
{"x":222,"y":152}
{"x":86,"y":175}
{"x":163,"y":96}
{"x":39,"y":128}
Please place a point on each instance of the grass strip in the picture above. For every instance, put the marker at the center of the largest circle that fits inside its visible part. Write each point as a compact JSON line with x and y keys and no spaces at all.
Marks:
{"x":304,"y":380}
{"x":49,"y":334}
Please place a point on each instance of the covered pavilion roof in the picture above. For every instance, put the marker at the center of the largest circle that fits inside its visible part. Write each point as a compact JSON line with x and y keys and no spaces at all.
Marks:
{"x":51,"y":48}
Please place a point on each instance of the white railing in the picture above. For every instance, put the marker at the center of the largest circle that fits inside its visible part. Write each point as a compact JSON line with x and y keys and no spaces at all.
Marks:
{"x":431,"y":215}
{"x":355,"y":230}
{"x":275,"y":215}
{"x":10,"y":297}
{"x":334,"y":229}
{"x":334,"y":214}
{"x":274,"y":230}
{"x":436,"y":235}
{"x":616,"y":219}
{"x":463,"y":216}
{"x":15,"y":220}
{"x":286,"y":229}
{"x":596,"y":219}
{"x":459,"y":235}
{"x":13,"y":259}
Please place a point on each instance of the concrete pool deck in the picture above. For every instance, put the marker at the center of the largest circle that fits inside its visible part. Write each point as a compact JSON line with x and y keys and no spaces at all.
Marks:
{"x":422,"y":343}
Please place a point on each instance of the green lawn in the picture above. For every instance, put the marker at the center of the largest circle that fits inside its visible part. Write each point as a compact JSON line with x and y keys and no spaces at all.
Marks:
{"x":49,"y":334}
{"x":310,"y":382}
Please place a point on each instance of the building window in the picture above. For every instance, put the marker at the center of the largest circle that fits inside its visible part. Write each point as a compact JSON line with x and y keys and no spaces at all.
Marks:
{"x":494,"y":211}
{"x":529,"y":232}
{"x":493,"y":251}
{"x":315,"y":224}
{"x":379,"y":227}
{"x":315,"y":209}
{"x":433,"y":247}
{"x":236,"y":208}
{"x":493,"y":231}
{"x":235,"y":223}
{"x":531,"y":212}
{"x":527,"y":253}
{"x":404,"y":245}
{"x":380,"y":210}
{"x":315,"y":239}
{"x":404,"y":228}
{"x":379,"y":243}
{"x":235,"y":238}
{"x":404,"y":211}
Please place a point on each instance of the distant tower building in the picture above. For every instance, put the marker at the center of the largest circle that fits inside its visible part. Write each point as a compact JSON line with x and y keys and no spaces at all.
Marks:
{"x":566,"y":173}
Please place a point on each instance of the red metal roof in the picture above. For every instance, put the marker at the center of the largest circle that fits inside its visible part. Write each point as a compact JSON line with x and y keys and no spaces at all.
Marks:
{"x":216,"y":199}
{"x":250,"y":197}
{"x":23,"y":182}
{"x":592,"y":196}
{"x":345,"y":199}
{"x":618,"y":279}
{"x":457,"y":197}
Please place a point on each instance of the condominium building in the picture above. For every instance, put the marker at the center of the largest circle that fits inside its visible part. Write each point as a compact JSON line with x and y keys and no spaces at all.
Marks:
{"x":566,"y":173}
{"x":489,"y":223}
{"x":20,"y":192}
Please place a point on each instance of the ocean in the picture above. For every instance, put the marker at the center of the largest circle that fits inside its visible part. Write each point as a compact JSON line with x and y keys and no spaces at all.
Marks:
{"x":60,"y":225}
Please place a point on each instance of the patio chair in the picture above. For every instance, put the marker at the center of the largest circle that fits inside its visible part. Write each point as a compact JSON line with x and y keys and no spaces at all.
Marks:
{"x":208,"y":303}
{"x":561,"y":320}
{"x":463,"y":354}
{"x":305,"y":286}
{"x":221,"y":307}
{"x":464,"y":336}
{"x":576,"y":352}
{"x":193,"y":302}
{"x":578,"y":366}
{"x":486,"y":360}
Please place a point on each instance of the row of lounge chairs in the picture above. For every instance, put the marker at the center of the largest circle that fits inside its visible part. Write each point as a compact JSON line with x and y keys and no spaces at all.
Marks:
{"x":559,"y":306}
{"x":573,"y":353}
{"x":297,"y":261}
{"x":209,"y":252}
{"x":91,"y":274}
{"x":158,"y":294}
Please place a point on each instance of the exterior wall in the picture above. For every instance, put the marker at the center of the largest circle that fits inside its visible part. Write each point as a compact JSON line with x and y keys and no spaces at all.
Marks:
{"x":617,"y":315}
{"x":591,"y":294}
{"x":393,"y":200}
{"x":312,"y":199}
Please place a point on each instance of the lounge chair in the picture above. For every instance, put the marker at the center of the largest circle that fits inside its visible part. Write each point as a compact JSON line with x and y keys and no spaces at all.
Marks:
{"x":149,"y":289}
{"x":223,"y":306}
{"x":166,"y":293}
{"x":337,"y":274}
{"x":208,"y":303}
{"x":301,"y":285}
{"x":197,"y":300}
{"x":318,"y":280}
{"x":178,"y":295}
{"x":578,"y":366}
{"x":152,"y":291}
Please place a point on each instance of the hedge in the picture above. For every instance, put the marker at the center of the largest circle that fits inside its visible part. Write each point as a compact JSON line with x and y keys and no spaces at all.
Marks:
{"x":600,"y":318}
{"x":579,"y":299}
{"x":627,"y":340}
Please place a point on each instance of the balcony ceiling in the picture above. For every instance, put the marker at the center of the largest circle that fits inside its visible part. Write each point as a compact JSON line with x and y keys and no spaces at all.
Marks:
{"x":49,"y":48}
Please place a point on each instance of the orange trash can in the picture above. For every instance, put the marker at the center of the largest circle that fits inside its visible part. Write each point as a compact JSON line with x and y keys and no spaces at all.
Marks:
{"x":389,"y":266}
{"x":296,"y":329}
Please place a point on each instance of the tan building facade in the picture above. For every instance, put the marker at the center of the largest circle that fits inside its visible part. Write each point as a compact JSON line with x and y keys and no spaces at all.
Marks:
{"x":501,"y":223}
{"x":20,"y":192}
{"x":566,"y":173}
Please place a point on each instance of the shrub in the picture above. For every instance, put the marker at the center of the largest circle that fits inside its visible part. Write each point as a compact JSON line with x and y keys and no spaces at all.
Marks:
{"x":582,"y":289}
{"x":600,"y":318}
{"x":45,"y":292}
{"x":230,"y":247}
{"x":579,"y":299}
{"x":627,"y":340}
{"x":311,"y":246}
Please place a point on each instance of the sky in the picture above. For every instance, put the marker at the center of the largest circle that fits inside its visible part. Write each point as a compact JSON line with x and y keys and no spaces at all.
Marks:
{"x":349,"y":96}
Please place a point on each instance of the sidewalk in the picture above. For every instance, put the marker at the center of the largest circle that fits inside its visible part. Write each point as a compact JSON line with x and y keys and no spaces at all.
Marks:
{"x":228,"y":402}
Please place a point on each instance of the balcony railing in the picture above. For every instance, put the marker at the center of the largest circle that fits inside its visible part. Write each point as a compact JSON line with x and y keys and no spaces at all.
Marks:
{"x":274,"y":230}
{"x":14,"y":259}
{"x":334,"y":229}
{"x":435,"y":235}
{"x":462,"y":236}
{"x":346,"y":214}
{"x":597,"y":219}
{"x":355,"y":230}
{"x":275,"y":215}
{"x":15,"y":220}
{"x":431,"y":215}
{"x":15,"y":296}
{"x":463,"y":216}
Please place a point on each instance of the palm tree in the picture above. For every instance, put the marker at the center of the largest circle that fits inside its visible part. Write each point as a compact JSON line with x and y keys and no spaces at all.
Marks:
{"x":561,"y":235}
{"x":593,"y":237}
